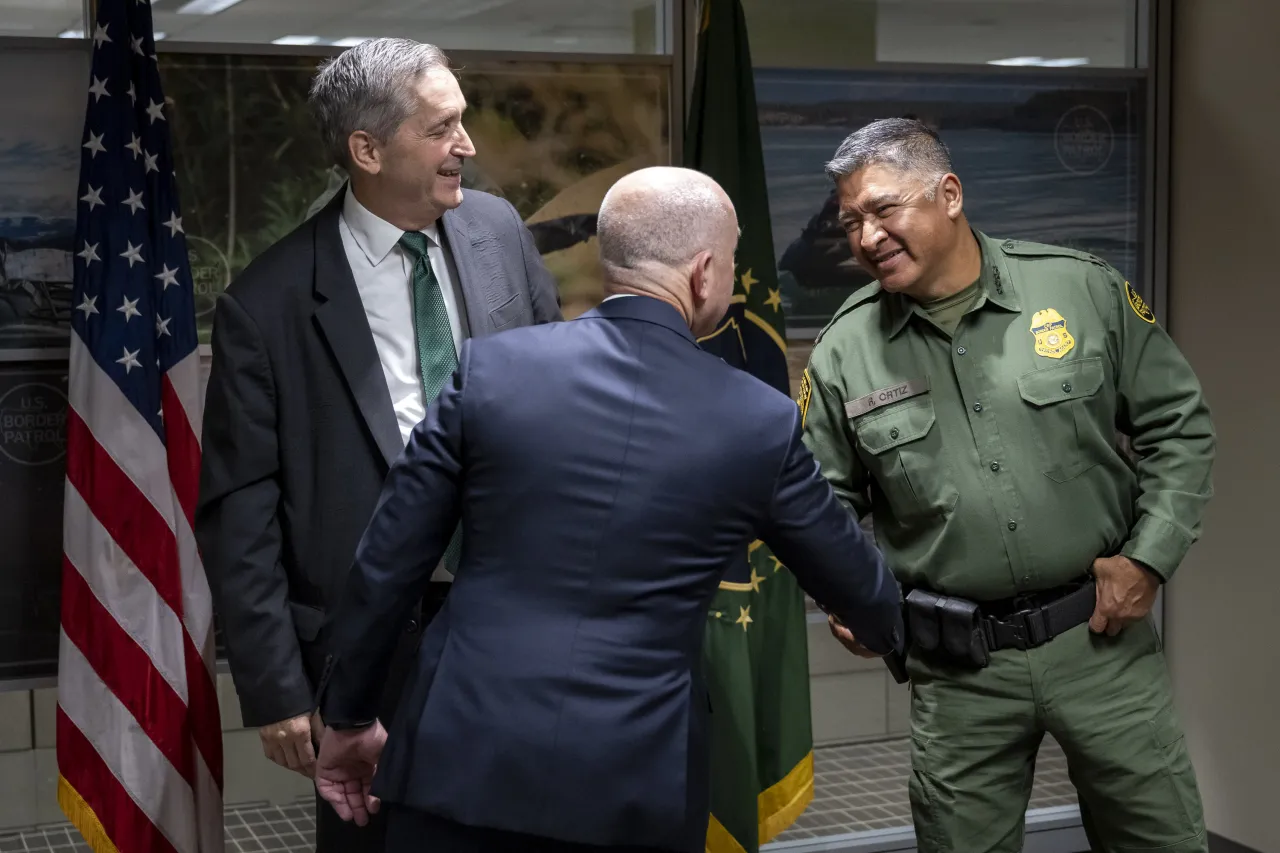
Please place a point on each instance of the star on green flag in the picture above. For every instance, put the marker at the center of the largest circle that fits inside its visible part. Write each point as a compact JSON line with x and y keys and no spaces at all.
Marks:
{"x":756,"y":645}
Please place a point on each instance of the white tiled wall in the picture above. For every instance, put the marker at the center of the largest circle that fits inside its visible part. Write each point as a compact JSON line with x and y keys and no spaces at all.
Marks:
{"x":15,"y":721}
{"x":852,"y":699}
{"x":17,"y":788}
{"x":29,"y":769}
{"x":45,"y":704}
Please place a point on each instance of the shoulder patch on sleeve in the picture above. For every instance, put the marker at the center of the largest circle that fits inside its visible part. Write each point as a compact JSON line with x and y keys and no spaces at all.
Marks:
{"x":860,"y":296}
{"x":806,"y":393}
{"x":1138,"y":305}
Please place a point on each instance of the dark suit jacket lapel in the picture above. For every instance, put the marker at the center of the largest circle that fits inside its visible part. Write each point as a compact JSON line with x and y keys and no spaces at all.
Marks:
{"x":469,"y":244}
{"x":341,"y":318}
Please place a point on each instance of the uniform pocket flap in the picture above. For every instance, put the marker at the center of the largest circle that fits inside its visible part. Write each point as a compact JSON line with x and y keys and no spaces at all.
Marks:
{"x":1165,"y":728}
{"x":1068,"y":381}
{"x":899,"y":425}
{"x":307,"y":621}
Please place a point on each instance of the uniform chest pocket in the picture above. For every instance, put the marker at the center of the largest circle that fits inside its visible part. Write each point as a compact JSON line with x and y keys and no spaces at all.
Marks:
{"x":1061,"y":420}
{"x":902,"y":448}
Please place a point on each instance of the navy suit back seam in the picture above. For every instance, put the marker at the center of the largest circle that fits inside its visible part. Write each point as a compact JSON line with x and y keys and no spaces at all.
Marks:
{"x":600,"y":538}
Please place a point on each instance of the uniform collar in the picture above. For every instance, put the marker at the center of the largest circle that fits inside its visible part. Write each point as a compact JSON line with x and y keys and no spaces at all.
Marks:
{"x":375,"y":236}
{"x":996,"y":284}
{"x":1001,"y":290}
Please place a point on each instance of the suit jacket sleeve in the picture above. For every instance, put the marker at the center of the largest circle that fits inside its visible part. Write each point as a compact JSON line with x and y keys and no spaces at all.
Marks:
{"x":834,"y":561}
{"x":544,"y":293}
{"x":416,"y":515}
{"x":237,"y":527}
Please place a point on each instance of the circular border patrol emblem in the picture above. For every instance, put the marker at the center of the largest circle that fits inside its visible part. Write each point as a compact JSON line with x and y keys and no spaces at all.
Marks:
{"x":33,"y":424}
{"x":1084,"y":140}
{"x":210,"y":274}
{"x":1137,"y":303}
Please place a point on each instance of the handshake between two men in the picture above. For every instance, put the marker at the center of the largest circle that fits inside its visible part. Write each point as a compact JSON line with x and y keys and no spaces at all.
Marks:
{"x":559,"y":692}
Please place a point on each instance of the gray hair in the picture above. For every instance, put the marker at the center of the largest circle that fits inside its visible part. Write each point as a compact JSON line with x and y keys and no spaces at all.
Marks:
{"x":370,"y":87}
{"x":904,"y":144}
{"x":663,"y":216}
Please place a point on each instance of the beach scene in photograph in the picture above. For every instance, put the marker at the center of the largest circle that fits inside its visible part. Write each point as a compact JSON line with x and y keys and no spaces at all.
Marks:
{"x":1048,"y":158}
{"x":551,"y":137}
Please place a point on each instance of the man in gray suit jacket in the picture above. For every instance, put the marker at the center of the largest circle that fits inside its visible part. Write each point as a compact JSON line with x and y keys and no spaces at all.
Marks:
{"x":327,"y":351}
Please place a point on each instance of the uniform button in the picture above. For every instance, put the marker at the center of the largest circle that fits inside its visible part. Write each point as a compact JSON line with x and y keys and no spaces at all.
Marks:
{"x":1013,"y":525}
{"x":995,"y":466}
{"x":1066,"y":386}
{"x":1008,"y":244}
{"x":412,"y":627}
{"x":977,"y":407}
{"x":893,"y":433}
{"x":961,"y":350}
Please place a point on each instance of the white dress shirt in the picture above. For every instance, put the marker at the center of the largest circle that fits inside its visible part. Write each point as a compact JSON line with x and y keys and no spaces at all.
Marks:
{"x":383,"y":271}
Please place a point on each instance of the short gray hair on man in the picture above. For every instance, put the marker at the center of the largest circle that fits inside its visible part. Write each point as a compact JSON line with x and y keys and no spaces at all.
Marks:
{"x":661,"y":215}
{"x":906,"y":145}
{"x":370,"y":87}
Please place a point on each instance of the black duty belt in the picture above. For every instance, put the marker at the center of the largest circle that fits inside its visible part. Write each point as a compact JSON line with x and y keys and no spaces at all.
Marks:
{"x":968,"y":632}
{"x":1028,"y":624}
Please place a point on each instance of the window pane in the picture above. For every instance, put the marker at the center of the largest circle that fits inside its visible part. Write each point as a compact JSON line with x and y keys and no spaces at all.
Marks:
{"x":550,"y":138}
{"x":33,"y":18}
{"x":575,"y":26}
{"x":1050,"y":158}
{"x":858,"y":33}
{"x":33,"y":470}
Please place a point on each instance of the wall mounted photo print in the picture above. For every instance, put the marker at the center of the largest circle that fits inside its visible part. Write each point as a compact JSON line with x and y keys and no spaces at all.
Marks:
{"x":39,"y":167}
{"x":551,"y":137}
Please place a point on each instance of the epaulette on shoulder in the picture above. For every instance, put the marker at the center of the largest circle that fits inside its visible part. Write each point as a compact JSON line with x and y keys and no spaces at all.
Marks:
{"x":1028,"y":249}
{"x":861,"y":296}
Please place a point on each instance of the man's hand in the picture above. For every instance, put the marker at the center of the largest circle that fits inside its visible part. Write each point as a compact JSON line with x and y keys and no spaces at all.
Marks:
{"x":1126,"y":591}
{"x":344,"y":773}
{"x":288,"y":743}
{"x":846,"y":638}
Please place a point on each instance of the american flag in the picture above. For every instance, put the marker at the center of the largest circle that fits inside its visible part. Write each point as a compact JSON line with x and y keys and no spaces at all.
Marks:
{"x":139,"y":742}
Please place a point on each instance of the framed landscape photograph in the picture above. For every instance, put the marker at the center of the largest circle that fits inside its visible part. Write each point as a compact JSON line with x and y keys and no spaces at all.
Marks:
{"x":551,"y":137}
{"x":39,"y":169}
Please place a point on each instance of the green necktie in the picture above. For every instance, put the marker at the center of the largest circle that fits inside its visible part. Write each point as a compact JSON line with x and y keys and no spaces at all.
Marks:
{"x":437,"y":358}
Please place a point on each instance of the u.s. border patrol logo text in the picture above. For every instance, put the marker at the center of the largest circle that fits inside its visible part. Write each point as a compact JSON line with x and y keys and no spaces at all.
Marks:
{"x":806,"y":392}
{"x":1084,"y":140}
{"x":33,"y":424}
{"x":1137,"y":304}
{"x":1050,"y":330}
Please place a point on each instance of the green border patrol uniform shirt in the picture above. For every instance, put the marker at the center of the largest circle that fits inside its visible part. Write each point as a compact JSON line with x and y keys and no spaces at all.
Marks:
{"x":988,"y":456}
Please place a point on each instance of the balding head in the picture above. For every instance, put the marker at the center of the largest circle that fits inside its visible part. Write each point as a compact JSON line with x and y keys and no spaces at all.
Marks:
{"x":670,"y":233}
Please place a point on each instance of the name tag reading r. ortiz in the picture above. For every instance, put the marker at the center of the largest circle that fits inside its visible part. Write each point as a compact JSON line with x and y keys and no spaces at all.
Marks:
{"x":885,"y":396}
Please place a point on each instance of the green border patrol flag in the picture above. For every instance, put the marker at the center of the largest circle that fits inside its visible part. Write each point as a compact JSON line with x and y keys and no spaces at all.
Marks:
{"x":756,"y":646}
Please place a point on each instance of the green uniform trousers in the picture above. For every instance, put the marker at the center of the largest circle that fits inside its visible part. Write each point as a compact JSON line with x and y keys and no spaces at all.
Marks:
{"x":1108,"y":703}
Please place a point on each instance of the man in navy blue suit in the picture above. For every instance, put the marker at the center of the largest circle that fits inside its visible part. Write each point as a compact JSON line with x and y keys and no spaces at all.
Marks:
{"x":606,"y":472}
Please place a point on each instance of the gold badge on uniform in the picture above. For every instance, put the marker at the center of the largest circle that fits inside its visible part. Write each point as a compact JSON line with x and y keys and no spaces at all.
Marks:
{"x":1137,"y":304}
{"x":806,"y":391}
{"x":1052,"y":338}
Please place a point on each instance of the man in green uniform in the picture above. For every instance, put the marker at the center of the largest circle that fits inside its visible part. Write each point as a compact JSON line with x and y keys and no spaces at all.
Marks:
{"x":973,"y":400}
